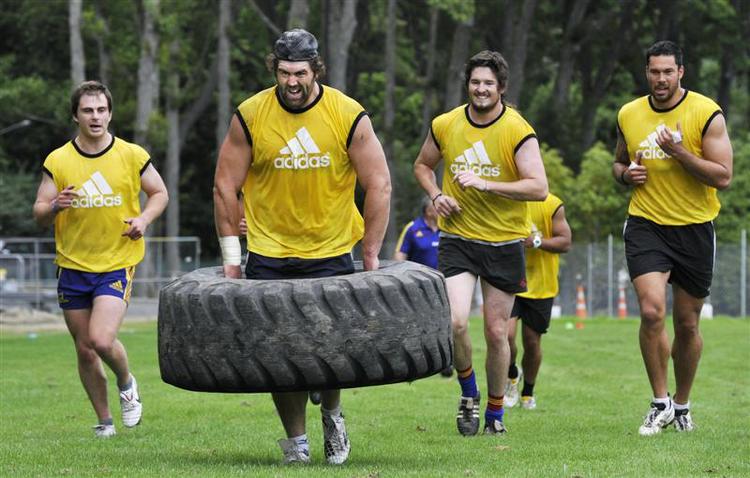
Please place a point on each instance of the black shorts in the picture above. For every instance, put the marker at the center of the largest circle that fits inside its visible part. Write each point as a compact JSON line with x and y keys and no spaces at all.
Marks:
{"x":503,"y":267}
{"x":269,"y":268}
{"x":687,"y":251}
{"x":534,"y":313}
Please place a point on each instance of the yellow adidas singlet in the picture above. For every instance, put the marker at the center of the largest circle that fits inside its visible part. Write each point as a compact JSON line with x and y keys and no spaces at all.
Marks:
{"x":88,"y":235}
{"x":671,"y":196}
{"x":542,"y":266}
{"x":299,"y":191}
{"x":489,"y":151}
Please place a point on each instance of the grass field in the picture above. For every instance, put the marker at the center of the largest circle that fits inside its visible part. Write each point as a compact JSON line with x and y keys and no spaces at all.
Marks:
{"x":592,"y":394}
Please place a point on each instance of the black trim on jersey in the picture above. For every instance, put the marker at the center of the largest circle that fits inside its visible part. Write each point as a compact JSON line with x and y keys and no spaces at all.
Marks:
{"x":711,"y":118}
{"x":49,"y":173}
{"x":520,"y":143}
{"x":301,"y":110}
{"x":477,"y":125}
{"x":434,"y":138}
{"x":144,"y":167}
{"x":350,"y":136}
{"x":557,"y":209}
{"x":244,"y":127}
{"x":94,"y":155}
{"x":668,"y":109}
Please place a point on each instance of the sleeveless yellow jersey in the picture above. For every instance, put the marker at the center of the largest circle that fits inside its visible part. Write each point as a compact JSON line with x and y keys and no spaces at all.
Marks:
{"x":542,"y":266}
{"x":671,"y":196}
{"x":489,"y":151}
{"x":88,"y":235}
{"x":299,"y":191}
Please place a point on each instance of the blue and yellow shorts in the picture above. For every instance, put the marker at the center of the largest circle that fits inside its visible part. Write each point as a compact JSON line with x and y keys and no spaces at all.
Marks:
{"x":77,"y":289}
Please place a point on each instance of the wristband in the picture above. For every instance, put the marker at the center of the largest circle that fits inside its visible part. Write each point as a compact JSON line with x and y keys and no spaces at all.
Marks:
{"x":231,"y":251}
{"x":436,"y":196}
{"x":537,"y":242}
{"x":55,"y":207}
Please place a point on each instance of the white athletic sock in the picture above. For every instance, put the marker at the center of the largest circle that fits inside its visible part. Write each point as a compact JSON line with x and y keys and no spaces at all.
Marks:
{"x":680,"y":406}
{"x":666,"y":401}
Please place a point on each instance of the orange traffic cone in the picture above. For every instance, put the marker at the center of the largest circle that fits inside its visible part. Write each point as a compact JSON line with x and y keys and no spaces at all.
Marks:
{"x":622,"y":306}
{"x":580,"y":303}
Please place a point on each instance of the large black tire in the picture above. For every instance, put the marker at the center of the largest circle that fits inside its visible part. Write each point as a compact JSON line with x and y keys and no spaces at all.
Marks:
{"x":367,"y":328}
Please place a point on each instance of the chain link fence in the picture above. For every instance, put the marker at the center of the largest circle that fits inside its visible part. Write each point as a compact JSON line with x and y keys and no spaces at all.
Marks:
{"x":27,"y":274}
{"x":601,"y":269}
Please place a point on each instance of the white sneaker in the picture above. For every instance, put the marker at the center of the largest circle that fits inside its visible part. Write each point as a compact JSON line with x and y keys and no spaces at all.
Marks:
{"x":528,"y":403}
{"x":511,"y":391}
{"x":130,"y":405}
{"x":104,"y":431}
{"x":335,"y":440}
{"x":657,"y":419}
{"x":684,"y":422}
{"x":294,"y":453}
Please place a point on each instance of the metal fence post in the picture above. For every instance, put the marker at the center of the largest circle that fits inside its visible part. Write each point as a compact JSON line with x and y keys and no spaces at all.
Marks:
{"x":590,"y":280}
{"x":610,"y":272}
{"x":743,"y":273}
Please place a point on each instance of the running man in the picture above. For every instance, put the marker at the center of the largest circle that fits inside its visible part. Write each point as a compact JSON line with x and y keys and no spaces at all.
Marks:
{"x":419,"y":239}
{"x":89,"y":190}
{"x":296,"y":151}
{"x":550,"y":237}
{"x":673,"y":149}
{"x":492,"y":167}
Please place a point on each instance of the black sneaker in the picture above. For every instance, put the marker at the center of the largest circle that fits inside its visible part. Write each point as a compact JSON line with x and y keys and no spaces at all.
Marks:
{"x":467,"y":419}
{"x":495,"y":427}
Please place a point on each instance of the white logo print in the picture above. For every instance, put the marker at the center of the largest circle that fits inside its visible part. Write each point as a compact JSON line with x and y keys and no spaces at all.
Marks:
{"x":476,"y":160}
{"x":96,"y":192}
{"x":301,"y":152}
{"x":650,"y":149}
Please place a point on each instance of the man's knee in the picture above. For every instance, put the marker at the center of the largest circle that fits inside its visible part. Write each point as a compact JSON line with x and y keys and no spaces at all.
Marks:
{"x":86,"y":353}
{"x":460,"y":326}
{"x":652,"y":315}
{"x":102,"y":345}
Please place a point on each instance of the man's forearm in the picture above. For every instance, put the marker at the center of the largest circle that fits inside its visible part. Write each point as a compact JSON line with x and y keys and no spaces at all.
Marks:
{"x":155,"y":206}
{"x":377,"y":210}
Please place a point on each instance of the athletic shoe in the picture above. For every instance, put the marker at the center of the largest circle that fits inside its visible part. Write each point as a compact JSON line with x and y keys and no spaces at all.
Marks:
{"x":315,"y":397}
{"x":130,"y":405}
{"x":511,"y":391}
{"x":294,"y":453}
{"x":335,"y":440}
{"x":467,"y":419}
{"x":660,"y":416}
{"x":683,"y":422}
{"x":104,"y":431}
{"x":495,"y":427}
{"x":528,"y":403}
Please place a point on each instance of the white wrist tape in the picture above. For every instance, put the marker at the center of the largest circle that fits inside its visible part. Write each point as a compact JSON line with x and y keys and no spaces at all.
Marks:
{"x":231,"y":251}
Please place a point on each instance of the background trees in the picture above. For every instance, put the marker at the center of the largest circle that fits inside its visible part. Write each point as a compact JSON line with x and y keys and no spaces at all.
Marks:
{"x":177,"y":68}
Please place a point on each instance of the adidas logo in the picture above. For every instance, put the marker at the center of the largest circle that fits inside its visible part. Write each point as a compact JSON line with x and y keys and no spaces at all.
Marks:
{"x":116,"y":285}
{"x":650,"y":148}
{"x":96,"y":192}
{"x":476,"y":160}
{"x":301,"y":152}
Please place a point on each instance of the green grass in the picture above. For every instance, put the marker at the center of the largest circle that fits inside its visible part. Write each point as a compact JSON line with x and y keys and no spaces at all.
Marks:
{"x":592,"y":393}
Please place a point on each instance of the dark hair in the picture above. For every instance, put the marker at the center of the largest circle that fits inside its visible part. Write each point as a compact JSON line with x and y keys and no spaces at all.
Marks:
{"x":665,"y":48}
{"x":89,"y":88}
{"x":316,"y":65}
{"x":492,"y":60}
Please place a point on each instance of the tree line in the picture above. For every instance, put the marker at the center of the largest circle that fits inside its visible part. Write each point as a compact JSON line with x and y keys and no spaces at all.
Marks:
{"x":178,"y":68}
